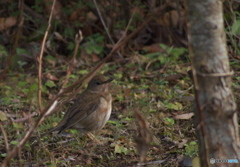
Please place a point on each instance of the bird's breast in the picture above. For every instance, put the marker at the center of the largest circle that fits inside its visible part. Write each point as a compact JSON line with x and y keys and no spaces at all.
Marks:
{"x":104,"y":110}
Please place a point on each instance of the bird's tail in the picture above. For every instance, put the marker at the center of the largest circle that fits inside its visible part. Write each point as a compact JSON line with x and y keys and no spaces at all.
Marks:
{"x":57,"y":128}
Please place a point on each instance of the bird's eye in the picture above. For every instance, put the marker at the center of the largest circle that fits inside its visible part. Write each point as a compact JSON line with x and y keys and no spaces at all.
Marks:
{"x":98,"y":83}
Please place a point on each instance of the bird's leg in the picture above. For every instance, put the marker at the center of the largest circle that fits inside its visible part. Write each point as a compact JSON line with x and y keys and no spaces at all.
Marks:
{"x":91,"y":136}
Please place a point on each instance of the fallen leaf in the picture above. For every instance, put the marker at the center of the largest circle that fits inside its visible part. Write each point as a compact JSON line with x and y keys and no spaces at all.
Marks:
{"x":6,"y":23}
{"x":51,"y":77}
{"x":184,"y":116}
{"x":120,"y":149}
{"x":174,"y":106}
{"x":50,"y":84}
{"x":127,"y":93}
{"x":60,"y":37}
{"x":181,"y":144}
{"x":3,"y":116}
{"x":91,"y":16}
{"x":153,"y":48}
{"x":95,"y":57}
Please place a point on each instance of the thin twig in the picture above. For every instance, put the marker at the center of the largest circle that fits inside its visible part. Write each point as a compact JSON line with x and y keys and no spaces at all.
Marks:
{"x":25,"y":118}
{"x":105,"y":27}
{"x":4,"y":136}
{"x":40,"y":59}
{"x":103,"y":22}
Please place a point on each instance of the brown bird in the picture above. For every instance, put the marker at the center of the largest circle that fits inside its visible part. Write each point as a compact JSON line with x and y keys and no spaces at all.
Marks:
{"x":91,"y":110}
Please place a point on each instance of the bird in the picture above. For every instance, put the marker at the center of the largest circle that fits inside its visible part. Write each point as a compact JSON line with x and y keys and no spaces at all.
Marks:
{"x":90,"y":111}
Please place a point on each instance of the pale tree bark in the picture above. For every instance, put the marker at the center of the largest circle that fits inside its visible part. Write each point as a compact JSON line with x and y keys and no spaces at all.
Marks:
{"x":216,"y":117}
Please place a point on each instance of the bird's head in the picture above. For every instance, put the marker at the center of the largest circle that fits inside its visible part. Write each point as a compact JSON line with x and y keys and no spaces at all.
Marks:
{"x":99,"y":83}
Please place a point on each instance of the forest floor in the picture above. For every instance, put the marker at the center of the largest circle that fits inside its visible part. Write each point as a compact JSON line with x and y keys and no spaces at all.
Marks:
{"x":151,"y":78}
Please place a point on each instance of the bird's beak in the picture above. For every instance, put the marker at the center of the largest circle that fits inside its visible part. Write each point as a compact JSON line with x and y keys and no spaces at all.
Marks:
{"x":107,"y":81}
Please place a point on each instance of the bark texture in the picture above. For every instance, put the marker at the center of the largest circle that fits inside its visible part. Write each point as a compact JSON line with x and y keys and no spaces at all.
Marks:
{"x":216,"y":117}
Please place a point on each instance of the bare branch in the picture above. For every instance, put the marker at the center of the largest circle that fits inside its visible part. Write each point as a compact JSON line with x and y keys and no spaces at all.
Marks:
{"x":4,"y":136}
{"x":40,"y":59}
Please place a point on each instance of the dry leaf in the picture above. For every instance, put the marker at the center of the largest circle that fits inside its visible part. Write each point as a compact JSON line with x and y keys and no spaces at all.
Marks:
{"x":3,"y":116}
{"x":184,"y":116}
{"x":153,"y":48}
{"x":91,"y":16}
{"x":51,"y":77}
{"x":95,"y":57}
{"x":6,"y":23}
{"x":74,"y":15}
{"x":60,"y":37}
{"x":127,"y":93}
{"x":172,"y":19}
{"x":174,"y":79}
{"x":181,"y":144}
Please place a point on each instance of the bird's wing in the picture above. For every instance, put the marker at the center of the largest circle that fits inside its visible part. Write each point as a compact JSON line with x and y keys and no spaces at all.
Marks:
{"x":77,"y":113}
{"x":67,"y":115}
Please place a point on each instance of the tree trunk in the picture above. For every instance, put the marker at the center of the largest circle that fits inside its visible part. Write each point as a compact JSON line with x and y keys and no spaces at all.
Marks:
{"x":216,"y":117}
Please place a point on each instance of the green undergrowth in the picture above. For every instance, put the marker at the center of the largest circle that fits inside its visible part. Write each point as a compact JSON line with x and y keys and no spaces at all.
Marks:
{"x":149,"y":76}
{"x":159,"y":93}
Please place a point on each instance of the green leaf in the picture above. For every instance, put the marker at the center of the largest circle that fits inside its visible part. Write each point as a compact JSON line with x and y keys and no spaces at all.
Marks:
{"x":89,"y":50}
{"x":22,"y":51}
{"x":28,"y":145}
{"x":50,"y":84}
{"x":112,"y":122}
{"x":21,"y":63}
{"x":3,"y":116}
{"x":33,"y":87}
{"x":4,"y":154}
{"x":24,"y":90}
{"x":162,"y":59}
{"x":174,"y":106}
{"x":98,"y":49}
{"x":7,"y":87}
{"x":17,"y":125}
{"x":44,"y":89}
{"x":83,"y":72}
{"x":3,"y":51}
{"x":50,"y":57}
{"x":191,"y":149}
{"x":236,"y":27}
{"x":176,"y":52}
{"x":73,"y":131}
{"x":118,"y":76}
{"x":14,"y":142}
{"x":69,"y":32}
{"x":22,"y":84}
{"x":121,"y":149}
{"x":72,"y":76}
{"x":165,"y":47}
{"x":94,"y":44}
{"x":153,"y":55}
{"x":169,"y":121}
{"x":70,"y":46}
